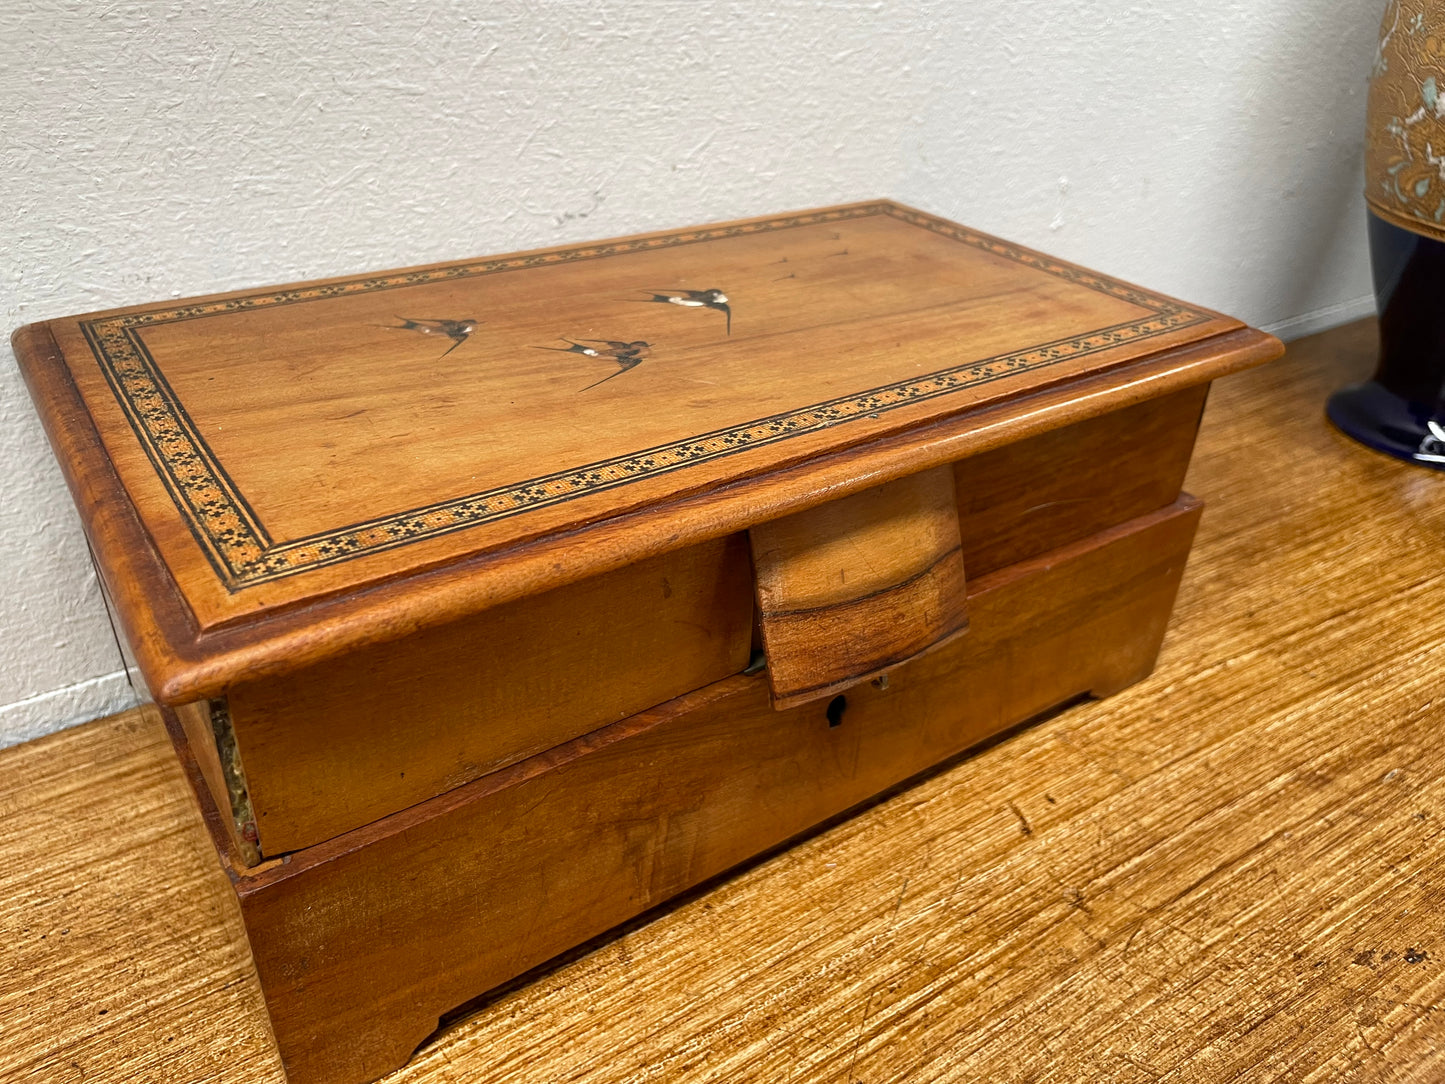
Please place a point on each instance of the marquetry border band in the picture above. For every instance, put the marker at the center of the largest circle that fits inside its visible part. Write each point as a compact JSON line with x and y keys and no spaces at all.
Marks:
{"x":242,"y":552}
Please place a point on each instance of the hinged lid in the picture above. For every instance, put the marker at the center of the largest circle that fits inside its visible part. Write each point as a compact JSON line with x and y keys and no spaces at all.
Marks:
{"x":272,"y":476}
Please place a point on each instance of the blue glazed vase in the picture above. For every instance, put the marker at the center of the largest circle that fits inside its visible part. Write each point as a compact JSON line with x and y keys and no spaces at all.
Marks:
{"x":1401,"y":409}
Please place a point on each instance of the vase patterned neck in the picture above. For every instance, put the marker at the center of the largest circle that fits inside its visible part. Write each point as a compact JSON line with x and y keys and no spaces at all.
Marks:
{"x":1405,"y":154}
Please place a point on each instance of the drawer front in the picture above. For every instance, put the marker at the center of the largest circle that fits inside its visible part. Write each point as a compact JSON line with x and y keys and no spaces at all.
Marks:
{"x":363,"y":942}
{"x":844,"y":592}
{"x":1025,"y":499}
{"x":346,"y":743}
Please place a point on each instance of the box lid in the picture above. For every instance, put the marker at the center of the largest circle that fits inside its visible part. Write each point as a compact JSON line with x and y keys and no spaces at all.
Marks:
{"x":272,"y":476}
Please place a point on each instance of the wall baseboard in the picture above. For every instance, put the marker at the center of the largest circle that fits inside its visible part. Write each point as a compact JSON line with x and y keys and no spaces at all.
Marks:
{"x":48,"y":712}
{"x":1297,"y":327}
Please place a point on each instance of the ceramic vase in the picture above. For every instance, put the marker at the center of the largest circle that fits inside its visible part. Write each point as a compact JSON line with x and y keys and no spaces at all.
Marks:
{"x":1401,"y":409}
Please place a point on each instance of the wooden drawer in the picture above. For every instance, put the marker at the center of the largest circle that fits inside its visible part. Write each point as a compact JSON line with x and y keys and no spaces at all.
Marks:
{"x":333,"y":747}
{"x":364,"y":941}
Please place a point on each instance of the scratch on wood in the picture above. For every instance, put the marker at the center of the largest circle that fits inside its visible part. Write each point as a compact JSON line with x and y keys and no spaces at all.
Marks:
{"x":1096,"y":761}
{"x":1142,"y":1067}
{"x":1129,"y":944}
{"x":956,"y":882}
{"x":1182,"y":932}
{"x":1076,"y":900}
{"x":1024,"y":826}
{"x":1360,"y":1031}
{"x":892,"y":918}
{"x":862,"y":1024}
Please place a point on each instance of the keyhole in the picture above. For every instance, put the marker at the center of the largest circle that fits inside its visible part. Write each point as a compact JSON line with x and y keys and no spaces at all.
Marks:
{"x":836,"y":707}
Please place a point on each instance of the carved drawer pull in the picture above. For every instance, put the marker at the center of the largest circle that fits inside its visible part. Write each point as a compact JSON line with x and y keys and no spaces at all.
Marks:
{"x":854,"y":587}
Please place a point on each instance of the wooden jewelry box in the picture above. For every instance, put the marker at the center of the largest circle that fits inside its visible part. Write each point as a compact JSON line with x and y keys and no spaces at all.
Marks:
{"x":493,"y":603}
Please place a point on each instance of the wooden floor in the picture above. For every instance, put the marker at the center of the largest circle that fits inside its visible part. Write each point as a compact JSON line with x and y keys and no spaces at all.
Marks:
{"x":1232,"y":871}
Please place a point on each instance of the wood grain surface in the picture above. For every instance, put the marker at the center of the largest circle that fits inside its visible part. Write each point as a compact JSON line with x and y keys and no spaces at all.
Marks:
{"x":277,"y":476}
{"x":337,"y":746}
{"x":1080,"y":479}
{"x":1230,"y":871}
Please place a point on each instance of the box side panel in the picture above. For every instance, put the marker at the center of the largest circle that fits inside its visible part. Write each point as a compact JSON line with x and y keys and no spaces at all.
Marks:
{"x":1027,"y":498}
{"x":362,"y":943}
{"x":344,"y":743}
{"x":205,"y":737}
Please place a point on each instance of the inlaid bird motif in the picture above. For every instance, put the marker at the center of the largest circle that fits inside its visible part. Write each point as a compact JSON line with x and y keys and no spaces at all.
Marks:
{"x":628,"y":355}
{"x":694,"y":299}
{"x":456,"y":330}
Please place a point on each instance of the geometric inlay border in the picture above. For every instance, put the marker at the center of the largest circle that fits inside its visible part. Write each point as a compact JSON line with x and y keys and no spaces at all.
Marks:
{"x":243,"y":553}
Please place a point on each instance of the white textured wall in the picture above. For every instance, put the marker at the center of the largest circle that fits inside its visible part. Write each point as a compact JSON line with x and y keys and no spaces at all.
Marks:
{"x":1209,"y":149}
